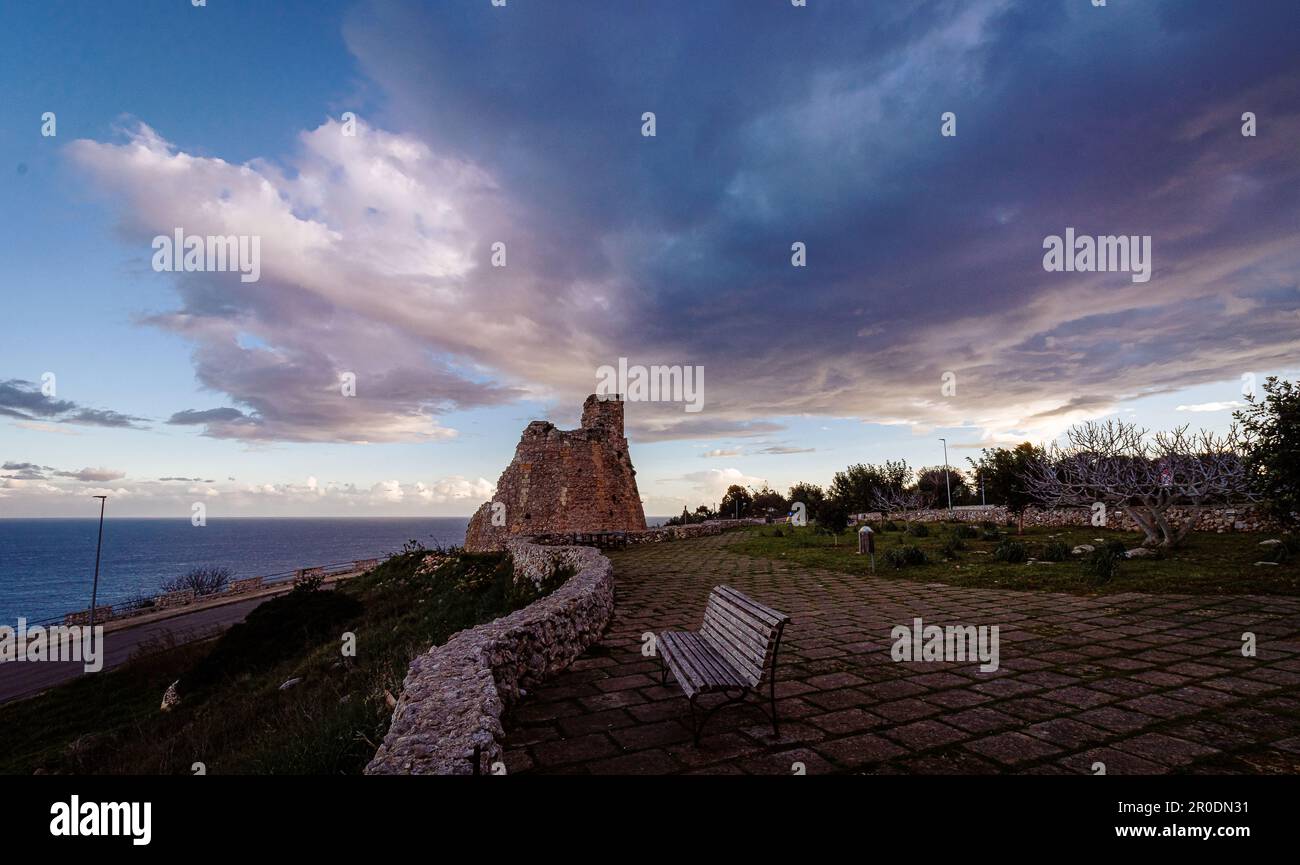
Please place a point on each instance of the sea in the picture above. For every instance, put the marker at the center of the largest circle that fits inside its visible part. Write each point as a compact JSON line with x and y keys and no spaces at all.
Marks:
{"x":47,"y":566}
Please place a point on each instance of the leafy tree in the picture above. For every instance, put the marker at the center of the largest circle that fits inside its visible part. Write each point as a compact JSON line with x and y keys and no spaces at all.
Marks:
{"x":1271,"y":428}
{"x":768,"y":501}
{"x":933,"y":486}
{"x":860,"y":486}
{"x":810,"y":494}
{"x":832,"y":518}
{"x":738,"y":502}
{"x":699,"y":515}
{"x":1002,"y":472}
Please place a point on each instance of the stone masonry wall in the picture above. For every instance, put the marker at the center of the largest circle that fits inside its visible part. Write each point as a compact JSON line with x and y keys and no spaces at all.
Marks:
{"x":1241,"y":518}
{"x":456,"y":694}
{"x":565,"y":481}
{"x":649,"y":536}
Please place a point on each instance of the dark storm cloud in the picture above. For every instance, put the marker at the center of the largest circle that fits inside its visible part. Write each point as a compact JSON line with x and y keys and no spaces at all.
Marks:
{"x":821,"y":125}
{"x":775,"y":125}
{"x":24,"y":400}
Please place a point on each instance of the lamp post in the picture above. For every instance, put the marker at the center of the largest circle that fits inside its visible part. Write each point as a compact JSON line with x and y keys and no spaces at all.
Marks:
{"x":94,"y":592}
{"x":946,"y":482}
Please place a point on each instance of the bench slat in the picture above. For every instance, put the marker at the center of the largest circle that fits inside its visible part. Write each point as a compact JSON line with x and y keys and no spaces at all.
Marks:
{"x":697,"y":665}
{"x":743,"y":629}
{"x":740,"y":599}
{"x":743,"y":651}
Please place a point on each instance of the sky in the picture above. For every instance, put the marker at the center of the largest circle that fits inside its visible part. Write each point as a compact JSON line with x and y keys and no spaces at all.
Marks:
{"x":389,"y":157}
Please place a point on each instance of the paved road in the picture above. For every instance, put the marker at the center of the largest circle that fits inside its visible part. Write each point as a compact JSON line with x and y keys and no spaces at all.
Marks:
{"x":21,"y":679}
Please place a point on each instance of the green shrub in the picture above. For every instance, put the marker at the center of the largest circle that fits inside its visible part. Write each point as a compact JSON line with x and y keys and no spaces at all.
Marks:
{"x":889,"y":526}
{"x":906,"y":555}
{"x":777,"y":533}
{"x":952,"y":547}
{"x":991,"y":534}
{"x":1102,"y":564}
{"x":966,"y":530}
{"x":918,"y":530}
{"x":988,"y":525}
{"x":1056,"y":551}
{"x":1012,"y":552}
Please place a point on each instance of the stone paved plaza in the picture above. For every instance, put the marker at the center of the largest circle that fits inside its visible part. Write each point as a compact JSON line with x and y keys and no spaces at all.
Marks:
{"x":1142,"y":683}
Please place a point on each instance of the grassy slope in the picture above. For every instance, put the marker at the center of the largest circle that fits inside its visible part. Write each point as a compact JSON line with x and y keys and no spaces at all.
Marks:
{"x":1209,"y":564}
{"x":234,"y":718}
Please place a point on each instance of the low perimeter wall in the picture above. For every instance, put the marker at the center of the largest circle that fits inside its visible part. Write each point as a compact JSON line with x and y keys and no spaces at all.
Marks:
{"x":649,"y":536}
{"x":1242,"y":518}
{"x":456,"y":694}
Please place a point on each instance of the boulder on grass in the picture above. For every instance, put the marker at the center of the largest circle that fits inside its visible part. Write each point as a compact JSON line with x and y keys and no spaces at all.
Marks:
{"x":171,"y":697}
{"x":1140,"y":553}
{"x":1082,"y":550}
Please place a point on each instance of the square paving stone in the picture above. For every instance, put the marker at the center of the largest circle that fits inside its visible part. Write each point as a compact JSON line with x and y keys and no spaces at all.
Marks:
{"x":921,"y":735}
{"x":855,"y":751}
{"x":1012,"y":748}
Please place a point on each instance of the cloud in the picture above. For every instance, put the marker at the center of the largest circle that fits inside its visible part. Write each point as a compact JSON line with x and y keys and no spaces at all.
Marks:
{"x":1212,"y":406}
{"x":713,"y":483}
{"x":675,"y":250}
{"x":24,"y":400}
{"x":99,"y":475}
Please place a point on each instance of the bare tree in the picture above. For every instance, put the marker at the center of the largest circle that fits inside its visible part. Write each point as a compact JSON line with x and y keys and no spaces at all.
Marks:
{"x":1119,"y":465}
{"x":206,"y":580}
{"x":901,"y":501}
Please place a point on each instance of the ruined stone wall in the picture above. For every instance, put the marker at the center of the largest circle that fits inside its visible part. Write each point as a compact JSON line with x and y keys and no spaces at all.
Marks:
{"x":565,"y":481}
{"x":456,"y":694}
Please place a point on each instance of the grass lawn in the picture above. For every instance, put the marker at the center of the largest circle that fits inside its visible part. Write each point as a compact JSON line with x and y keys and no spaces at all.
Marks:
{"x":233,"y":716}
{"x":1209,"y":563}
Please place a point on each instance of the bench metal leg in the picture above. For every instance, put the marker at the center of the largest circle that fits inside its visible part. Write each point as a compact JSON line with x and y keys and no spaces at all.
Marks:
{"x":776,"y":650}
{"x":697,"y":726}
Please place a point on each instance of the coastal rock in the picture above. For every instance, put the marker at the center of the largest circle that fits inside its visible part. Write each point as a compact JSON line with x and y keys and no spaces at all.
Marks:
{"x":171,"y":697}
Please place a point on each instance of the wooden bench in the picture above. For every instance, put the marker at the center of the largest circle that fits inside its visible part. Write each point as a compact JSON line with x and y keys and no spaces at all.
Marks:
{"x":730,"y":653}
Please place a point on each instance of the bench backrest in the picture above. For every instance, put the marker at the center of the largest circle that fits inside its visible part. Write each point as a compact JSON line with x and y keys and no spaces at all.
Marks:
{"x":743,"y":630}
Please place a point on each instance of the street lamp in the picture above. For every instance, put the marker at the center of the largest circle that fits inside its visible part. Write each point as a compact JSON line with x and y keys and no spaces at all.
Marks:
{"x":94,"y":592}
{"x":947,"y":483}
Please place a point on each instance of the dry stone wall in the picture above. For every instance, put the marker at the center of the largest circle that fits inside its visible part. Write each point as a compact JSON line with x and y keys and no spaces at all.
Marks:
{"x":1242,"y":518}
{"x":649,"y":536}
{"x":448,"y":719}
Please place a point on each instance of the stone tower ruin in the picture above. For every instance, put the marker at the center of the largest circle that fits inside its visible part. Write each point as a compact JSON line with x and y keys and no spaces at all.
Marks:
{"x":564,"y":481}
